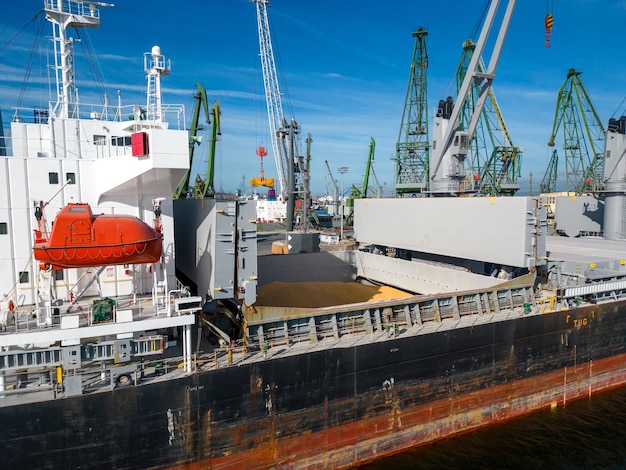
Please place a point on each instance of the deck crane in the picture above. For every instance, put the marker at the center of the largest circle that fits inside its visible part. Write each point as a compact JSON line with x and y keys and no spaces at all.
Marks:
{"x":283,"y":133}
{"x":493,"y":161}
{"x":450,"y":142}
{"x":204,"y":187}
{"x":413,"y":143}
{"x":583,"y":139}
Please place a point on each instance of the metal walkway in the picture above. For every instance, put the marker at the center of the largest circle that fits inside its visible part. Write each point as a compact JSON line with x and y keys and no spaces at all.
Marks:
{"x":118,"y":351}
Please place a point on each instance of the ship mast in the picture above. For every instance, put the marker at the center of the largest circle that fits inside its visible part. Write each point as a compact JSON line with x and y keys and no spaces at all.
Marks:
{"x":156,"y":66}
{"x":63,"y":15}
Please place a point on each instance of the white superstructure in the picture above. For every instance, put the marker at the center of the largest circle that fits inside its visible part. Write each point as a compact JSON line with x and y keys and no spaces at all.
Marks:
{"x":118,"y":159}
{"x":271,"y":211}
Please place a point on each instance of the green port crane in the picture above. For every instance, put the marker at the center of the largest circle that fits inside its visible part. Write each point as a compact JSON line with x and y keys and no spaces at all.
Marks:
{"x":548,"y":183}
{"x":377,"y":191}
{"x":494,"y":162}
{"x":203,"y":186}
{"x":412,"y":146}
{"x":583,"y":139}
{"x":452,"y":138}
{"x":361,"y":193}
{"x":355,"y":192}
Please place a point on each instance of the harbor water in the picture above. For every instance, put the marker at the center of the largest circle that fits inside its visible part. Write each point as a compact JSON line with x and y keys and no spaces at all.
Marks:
{"x":585,"y":434}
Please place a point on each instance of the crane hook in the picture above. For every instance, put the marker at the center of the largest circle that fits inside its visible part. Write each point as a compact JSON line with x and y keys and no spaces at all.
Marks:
{"x":549,"y":22}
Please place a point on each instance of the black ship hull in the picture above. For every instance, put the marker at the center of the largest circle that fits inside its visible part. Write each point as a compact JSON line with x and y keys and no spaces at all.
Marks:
{"x":330,"y":408}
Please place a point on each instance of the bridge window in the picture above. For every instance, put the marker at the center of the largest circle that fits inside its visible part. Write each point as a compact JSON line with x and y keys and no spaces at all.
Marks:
{"x":464,"y":141}
{"x":24,"y":277}
{"x":99,"y":139}
{"x":71,"y":177}
{"x":121,"y":141}
{"x":53,"y":177}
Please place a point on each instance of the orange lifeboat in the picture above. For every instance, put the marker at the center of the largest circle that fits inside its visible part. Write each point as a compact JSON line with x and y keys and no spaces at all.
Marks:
{"x":81,"y":239}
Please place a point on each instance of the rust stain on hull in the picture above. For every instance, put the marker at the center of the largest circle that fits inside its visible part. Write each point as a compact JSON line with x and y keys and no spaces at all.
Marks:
{"x":393,"y":430}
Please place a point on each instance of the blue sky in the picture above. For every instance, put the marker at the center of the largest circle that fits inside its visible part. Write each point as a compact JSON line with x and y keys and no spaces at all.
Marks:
{"x":346,"y":67}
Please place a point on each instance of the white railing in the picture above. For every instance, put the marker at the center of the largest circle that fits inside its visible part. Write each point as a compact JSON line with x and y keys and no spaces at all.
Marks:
{"x":75,"y":7}
{"x":174,"y":114}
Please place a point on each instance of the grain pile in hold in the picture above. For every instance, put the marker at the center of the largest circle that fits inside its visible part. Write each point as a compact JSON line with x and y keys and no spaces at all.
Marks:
{"x":322,"y":294}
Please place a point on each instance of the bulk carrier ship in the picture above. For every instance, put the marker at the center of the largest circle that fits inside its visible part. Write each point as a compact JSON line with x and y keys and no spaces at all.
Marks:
{"x":106,"y":365}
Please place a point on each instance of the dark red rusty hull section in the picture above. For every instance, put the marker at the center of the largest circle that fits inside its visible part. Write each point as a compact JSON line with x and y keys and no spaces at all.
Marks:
{"x":400,"y":430}
{"x":334,"y":407}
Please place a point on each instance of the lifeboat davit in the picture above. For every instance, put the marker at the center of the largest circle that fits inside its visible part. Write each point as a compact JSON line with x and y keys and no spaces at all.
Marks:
{"x":81,"y":239}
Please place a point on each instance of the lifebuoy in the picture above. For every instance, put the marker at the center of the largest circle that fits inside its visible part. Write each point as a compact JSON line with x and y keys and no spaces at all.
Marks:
{"x":123,"y":380}
{"x":11,"y":305}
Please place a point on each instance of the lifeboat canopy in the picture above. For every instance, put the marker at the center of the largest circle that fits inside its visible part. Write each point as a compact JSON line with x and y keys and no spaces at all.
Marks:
{"x":81,"y":239}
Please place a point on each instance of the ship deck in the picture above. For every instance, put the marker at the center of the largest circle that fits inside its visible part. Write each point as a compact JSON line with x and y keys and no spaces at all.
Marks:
{"x":276,"y":332}
{"x":585,"y":250}
{"x":349,"y":340}
{"x":69,"y":323}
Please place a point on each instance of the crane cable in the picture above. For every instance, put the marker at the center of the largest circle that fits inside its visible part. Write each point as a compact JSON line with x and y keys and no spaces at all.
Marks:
{"x":450,"y":89}
{"x":621,"y":110}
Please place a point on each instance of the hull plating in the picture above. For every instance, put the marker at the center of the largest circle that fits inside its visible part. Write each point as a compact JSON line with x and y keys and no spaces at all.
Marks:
{"x":331,"y":408}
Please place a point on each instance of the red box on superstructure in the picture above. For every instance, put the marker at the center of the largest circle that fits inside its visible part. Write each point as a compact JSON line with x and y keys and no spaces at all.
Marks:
{"x":139,"y":144}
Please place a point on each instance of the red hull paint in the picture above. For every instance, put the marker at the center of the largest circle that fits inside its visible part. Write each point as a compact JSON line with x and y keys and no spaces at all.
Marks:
{"x":401,"y":429}
{"x":81,"y":239}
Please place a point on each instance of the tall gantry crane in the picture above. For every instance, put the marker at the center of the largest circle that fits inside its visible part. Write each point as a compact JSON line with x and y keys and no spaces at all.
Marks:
{"x":493,"y":161}
{"x":583,"y":139}
{"x":282,"y":133}
{"x":413,"y":142}
{"x":451,"y":143}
